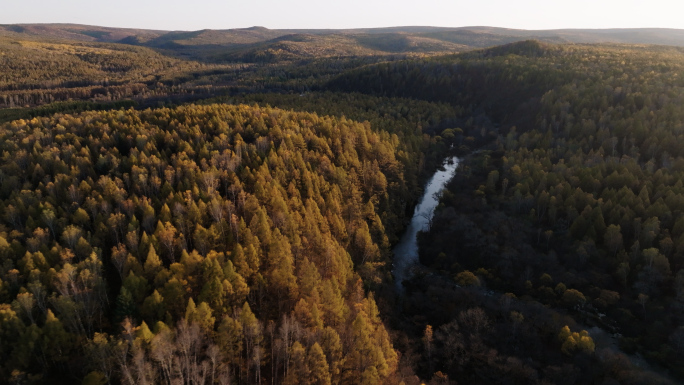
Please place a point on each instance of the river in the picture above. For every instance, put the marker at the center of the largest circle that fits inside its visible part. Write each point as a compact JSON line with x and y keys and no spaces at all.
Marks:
{"x":406,"y":256}
{"x":406,"y":251}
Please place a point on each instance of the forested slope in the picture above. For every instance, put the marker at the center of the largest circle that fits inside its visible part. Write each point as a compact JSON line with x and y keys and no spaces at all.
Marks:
{"x":228,"y":241}
{"x":575,"y":204}
{"x":414,"y":123}
{"x":201,"y":241}
{"x":207,"y":43}
{"x":39,"y":72}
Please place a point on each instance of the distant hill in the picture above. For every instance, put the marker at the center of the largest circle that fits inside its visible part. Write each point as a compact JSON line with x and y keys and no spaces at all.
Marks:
{"x":77,"y":32}
{"x":662,"y":36}
{"x":34,"y":64}
{"x":300,"y":45}
{"x":263,"y":44}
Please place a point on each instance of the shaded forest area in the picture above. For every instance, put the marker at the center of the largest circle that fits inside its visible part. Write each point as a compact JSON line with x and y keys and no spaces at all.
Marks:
{"x":569,"y":216}
{"x":165,"y":220}
{"x":48,"y":64}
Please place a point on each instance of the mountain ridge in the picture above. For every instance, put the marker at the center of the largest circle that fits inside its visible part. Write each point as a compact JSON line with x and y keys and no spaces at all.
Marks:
{"x":228,"y":37}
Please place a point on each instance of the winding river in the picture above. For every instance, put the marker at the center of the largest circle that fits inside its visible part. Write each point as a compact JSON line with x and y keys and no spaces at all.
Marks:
{"x":406,"y":251}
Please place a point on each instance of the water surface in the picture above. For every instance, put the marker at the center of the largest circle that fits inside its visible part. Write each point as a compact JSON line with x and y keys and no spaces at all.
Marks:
{"x":406,"y":251}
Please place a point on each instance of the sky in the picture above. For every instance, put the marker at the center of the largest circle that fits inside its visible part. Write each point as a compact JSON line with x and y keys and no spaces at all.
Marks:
{"x":305,"y":14}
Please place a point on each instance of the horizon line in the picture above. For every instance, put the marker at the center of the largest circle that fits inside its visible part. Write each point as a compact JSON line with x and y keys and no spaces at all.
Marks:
{"x":343,"y":29}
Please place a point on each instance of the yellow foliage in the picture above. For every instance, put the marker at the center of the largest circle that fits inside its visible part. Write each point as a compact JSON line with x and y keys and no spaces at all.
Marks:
{"x":575,"y":342}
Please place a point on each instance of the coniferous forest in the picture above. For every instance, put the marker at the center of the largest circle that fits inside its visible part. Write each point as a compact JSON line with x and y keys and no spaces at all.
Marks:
{"x":175,"y":209}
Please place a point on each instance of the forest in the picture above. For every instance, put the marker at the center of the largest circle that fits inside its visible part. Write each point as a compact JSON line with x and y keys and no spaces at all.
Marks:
{"x":178,"y":220}
{"x":573,"y":204}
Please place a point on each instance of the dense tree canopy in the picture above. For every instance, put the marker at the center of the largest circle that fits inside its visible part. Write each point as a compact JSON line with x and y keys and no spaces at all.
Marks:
{"x":575,"y":200}
{"x":233,"y":242}
{"x":236,"y":241}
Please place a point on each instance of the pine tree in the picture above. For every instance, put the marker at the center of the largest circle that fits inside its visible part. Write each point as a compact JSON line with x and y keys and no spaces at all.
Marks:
{"x":213,"y":293}
{"x":152,"y":265}
{"x":125,"y":306}
{"x":319,"y":372}
{"x":153,"y":308}
{"x":299,"y":372}
{"x":56,"y":342}
{"x":229,"y":339}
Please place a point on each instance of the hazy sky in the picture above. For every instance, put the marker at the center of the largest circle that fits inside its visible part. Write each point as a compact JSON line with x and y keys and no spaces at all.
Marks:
{"x":217,"y":14}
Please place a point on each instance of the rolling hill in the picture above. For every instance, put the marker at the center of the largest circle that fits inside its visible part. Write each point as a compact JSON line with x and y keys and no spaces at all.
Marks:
{"x":219,"y":206}
{"x":259,"y":43}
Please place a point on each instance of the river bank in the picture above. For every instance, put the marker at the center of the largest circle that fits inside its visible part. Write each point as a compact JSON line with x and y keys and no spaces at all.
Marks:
{"x":406,"y":251}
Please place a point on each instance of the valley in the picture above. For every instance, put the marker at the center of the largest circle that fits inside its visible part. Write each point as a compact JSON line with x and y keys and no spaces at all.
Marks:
{"x":248,"y":206}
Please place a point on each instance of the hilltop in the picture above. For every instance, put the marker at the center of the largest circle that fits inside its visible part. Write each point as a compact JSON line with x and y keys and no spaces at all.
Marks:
{"x":259,"y":43}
